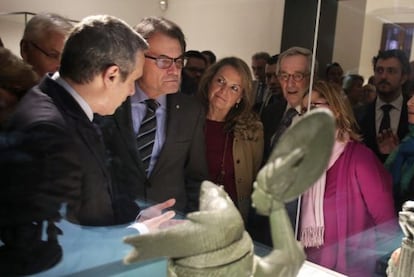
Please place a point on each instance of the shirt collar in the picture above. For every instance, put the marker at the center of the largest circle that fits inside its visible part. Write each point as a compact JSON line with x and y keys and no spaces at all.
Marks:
{"x":82,"y":103}
{"x":141,"y":96}
{"x":397,"y":103}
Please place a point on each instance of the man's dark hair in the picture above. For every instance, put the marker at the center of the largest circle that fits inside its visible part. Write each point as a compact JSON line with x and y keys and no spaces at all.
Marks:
{"x":195,"y":54}
{"x":273,"y":59}
{"x":151,"y":25}
{"x":210,"y":55}
{"x":394,"y":53}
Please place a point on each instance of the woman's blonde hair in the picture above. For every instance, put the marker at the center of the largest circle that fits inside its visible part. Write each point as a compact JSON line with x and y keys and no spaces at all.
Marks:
{"x":345,"y":120}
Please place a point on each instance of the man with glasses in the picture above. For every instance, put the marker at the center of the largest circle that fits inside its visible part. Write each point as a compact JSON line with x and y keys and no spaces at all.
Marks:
{"x":293,"y":71}
{"x":384,"y":122}
{"x":195,"y":65}
{"x":43,"y":40}
{"x":171,"y":163}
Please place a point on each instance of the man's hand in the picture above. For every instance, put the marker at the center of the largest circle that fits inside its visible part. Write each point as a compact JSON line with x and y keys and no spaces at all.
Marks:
{"x":154,"y":218}
{"x":387,"y":141}
{"x":155,"y":210}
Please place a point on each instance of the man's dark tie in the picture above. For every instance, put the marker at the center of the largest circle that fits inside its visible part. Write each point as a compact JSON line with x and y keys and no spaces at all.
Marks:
{"x":146,"y":134}
{"x":284,"y":124}
{"x":260,"y":92}
{"x":385,"y":122}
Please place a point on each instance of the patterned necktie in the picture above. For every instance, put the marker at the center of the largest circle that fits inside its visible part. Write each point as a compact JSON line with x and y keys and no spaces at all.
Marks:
{"x":146,"y":134}
{"x":385,"y":122}
{"x":284,"y":124}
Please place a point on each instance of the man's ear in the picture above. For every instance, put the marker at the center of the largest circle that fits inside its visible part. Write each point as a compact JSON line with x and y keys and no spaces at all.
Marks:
{"x":111,"y":74}
{"x":23,"y":49}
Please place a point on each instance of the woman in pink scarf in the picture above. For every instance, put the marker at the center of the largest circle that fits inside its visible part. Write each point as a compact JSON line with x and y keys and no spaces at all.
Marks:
{"x":348,"y":212}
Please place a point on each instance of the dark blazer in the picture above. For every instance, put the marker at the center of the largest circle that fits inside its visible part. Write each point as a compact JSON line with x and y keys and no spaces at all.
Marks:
{"x":181,"y":165}
{"x":68,"y":156}
{"x":271,"y":117}
{"x":365,"y":116}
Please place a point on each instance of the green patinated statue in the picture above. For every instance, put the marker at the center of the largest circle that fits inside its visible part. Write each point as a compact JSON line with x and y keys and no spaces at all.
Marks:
{"x":401,"y":263}
{"x":213,"y":241}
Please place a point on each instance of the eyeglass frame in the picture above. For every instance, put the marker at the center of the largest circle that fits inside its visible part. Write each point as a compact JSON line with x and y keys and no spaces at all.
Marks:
{"x":54,"y":56}
{"x":171,"y":61}
{"x":299,"y":76}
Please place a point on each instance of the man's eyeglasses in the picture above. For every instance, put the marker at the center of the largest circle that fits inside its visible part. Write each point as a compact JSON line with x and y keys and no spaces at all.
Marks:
{"x":297,"y":77}
{"x":314,"y":105}
{"x":165,"y":62}
{"x":55,"y":56}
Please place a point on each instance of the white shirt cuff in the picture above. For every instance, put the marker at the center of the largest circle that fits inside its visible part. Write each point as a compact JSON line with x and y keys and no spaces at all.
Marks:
{"x":140,"y":227}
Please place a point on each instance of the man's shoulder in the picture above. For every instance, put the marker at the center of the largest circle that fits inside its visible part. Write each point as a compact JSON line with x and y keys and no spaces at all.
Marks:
{"x":363,"y":112}
{"x":36,"y":107}
{"x":276,"y":109}
{"x":184,"y":102}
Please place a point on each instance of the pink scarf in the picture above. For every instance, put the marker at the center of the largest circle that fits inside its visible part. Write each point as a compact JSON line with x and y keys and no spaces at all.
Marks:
{"x":311,"y":215}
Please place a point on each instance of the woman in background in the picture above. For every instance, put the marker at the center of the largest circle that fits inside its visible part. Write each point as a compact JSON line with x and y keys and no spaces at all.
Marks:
{"x":234,"y":134}
{"x":401,"y":161}
{"x":345,"y":213}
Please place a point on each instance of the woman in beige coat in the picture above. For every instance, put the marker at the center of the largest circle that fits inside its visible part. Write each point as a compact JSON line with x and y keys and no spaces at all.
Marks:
{"x":234,"y":134}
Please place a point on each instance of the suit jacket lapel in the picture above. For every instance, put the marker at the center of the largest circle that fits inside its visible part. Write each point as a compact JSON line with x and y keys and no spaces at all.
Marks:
{"x":80,"y":122}
{"x":403,"y":123}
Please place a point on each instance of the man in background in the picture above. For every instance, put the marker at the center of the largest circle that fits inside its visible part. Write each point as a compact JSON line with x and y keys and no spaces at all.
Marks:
{"x":385,"y":121}
{"x":259,"y":61}
{"x":43,"y":40}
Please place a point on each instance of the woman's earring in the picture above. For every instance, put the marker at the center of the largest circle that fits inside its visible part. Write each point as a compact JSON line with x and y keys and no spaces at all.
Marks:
{"x":237,"y":105}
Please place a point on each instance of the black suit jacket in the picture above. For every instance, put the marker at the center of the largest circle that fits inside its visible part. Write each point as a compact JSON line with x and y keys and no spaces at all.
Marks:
{"x":365,"y":116}
{"x":271,"y":117}
{"x":181,"y":165}
{"x":67,"y":162}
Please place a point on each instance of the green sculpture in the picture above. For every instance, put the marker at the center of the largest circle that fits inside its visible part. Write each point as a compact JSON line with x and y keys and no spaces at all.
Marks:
{"x":213,"y":242}
{"x":401,"y":263}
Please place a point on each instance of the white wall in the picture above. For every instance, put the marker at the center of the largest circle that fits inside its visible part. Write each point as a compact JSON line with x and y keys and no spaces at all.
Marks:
{"x":377,"y":13}
{"x":232,"y":27}
{"x":228,"y":27}
{"x":349,"y":34}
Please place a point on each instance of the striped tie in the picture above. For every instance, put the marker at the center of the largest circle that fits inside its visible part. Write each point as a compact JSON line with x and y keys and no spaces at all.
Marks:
{"x":146,"y":134}
{"x":284,"y":124}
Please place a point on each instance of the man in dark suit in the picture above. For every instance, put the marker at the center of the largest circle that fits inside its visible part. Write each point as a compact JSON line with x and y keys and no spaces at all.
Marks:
{"x":59,"y":154}
{"x":293,"y":70}
{"x":177,"y":163}
{"x":391,"y":70}
{"x":259,"y":60}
